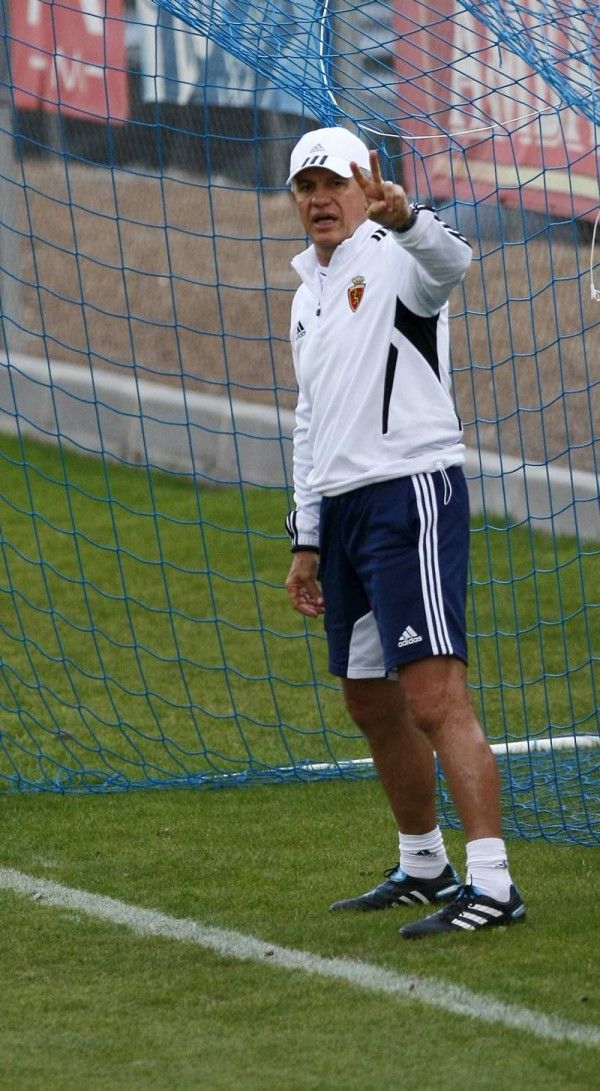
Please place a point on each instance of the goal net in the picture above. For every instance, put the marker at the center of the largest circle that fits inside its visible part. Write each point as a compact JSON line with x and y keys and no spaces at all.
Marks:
{"x":147,"y":393}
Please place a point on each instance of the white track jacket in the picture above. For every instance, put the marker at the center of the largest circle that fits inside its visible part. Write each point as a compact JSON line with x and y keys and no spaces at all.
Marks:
{"x":371,"y":356}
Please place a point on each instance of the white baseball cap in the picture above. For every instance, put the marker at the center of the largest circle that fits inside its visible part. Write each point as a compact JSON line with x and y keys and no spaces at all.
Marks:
{"x":329,"y":148}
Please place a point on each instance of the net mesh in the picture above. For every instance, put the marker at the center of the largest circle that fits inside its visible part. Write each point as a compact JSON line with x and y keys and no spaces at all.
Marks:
{"x":147,"y":393}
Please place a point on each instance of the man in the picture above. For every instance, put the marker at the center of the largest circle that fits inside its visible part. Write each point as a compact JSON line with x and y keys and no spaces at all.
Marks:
{"x":381,"y":526}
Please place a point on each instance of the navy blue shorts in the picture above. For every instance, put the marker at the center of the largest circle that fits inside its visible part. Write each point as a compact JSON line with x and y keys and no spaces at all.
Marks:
{"x":393,"y":568}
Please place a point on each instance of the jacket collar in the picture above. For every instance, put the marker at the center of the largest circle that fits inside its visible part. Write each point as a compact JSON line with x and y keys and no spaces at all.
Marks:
{"x":306,"y":264}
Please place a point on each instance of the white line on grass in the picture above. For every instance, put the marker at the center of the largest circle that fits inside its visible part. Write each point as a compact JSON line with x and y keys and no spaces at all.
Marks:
{"x":364,"y":975}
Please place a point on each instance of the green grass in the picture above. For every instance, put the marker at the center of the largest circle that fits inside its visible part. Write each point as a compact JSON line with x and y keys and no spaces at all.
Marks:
{"x":145,"y":637}
{"x":85,"y":1003}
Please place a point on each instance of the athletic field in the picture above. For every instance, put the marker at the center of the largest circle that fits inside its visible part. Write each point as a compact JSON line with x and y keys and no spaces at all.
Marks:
{"x":181,"y":939}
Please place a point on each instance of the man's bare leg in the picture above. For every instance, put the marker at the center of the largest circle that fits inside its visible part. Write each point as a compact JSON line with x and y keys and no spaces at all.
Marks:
{"x":427,"y":709}
{"x":402,"y":755}
{"x":435,"y":691}
{"x":405,"y":761}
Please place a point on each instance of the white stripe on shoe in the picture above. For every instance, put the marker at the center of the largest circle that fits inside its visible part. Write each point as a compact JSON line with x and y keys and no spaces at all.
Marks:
{"x":479,"y":914}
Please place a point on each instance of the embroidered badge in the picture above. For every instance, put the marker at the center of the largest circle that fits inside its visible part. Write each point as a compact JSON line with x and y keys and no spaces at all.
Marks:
{"x":356,"y":292}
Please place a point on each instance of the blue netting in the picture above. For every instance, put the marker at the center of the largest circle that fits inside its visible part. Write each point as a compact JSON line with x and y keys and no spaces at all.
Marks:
{"x":146,"y":391}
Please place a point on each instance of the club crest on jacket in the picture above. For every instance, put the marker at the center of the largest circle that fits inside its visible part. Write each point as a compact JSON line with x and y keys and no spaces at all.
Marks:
{"x":356,"y":292}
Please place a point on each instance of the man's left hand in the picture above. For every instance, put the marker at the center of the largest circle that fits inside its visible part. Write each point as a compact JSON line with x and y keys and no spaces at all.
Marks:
{"x":387,"y":203}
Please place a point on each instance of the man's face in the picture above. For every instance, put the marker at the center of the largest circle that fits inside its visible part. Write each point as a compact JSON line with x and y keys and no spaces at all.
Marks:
{"x":330,"y":208}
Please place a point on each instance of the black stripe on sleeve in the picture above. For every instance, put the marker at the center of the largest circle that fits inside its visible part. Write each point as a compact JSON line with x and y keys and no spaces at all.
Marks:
{"x":290,"y":526}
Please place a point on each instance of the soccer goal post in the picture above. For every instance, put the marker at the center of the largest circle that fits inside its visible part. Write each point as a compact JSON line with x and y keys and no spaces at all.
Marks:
{"x":147,"y":392}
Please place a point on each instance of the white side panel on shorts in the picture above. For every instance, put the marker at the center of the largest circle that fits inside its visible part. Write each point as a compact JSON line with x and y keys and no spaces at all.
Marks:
{"x":365,"y":659}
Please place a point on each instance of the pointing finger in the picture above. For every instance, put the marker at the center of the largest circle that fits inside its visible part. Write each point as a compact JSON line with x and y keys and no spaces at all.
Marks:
{"x":361,"y":178}
{"x":375,"y":167}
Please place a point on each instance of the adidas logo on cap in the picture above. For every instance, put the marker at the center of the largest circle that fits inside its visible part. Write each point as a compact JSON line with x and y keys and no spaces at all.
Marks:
{"x":409,"y":636}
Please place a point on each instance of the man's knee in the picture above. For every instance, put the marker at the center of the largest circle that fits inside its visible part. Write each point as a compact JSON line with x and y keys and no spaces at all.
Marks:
{"x":373,"y":704}
{"x":435,"y":693}
{"x":361,"y":711}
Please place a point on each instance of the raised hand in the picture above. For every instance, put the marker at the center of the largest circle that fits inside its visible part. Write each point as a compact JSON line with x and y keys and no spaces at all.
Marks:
{"x":387,"y":203}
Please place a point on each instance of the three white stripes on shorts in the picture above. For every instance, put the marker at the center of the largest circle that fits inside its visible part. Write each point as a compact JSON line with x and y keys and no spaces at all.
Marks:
{"x":430,"y":570}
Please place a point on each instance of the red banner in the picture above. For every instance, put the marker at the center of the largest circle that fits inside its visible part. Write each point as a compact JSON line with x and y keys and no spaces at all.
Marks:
{"x":482,"y":124}
{"x":69,"y":55}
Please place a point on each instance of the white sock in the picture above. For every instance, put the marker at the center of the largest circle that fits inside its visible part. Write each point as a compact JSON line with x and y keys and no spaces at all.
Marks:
{"x":423,"y":855}
{"x":487,"y":868}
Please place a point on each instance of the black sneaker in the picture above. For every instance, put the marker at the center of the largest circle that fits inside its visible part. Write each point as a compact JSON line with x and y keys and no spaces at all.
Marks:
{"x":402,"y":889}
{"x":467,"y":913}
